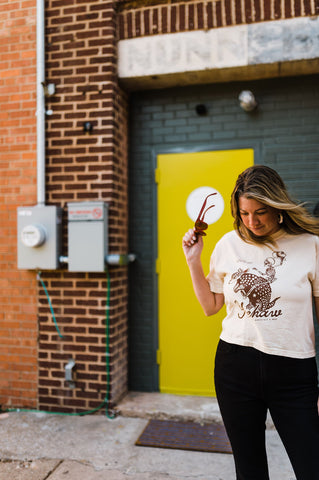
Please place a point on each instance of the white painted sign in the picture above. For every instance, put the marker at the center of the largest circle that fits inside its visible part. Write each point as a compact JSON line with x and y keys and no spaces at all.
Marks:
{"x":220,"y":48}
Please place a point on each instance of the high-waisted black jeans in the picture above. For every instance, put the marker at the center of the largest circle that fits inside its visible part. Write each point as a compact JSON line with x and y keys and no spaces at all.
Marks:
{"x":248,"y":383}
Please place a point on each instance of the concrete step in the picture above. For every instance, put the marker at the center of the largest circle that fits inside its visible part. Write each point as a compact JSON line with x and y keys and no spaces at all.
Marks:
{"x":163,"y":406}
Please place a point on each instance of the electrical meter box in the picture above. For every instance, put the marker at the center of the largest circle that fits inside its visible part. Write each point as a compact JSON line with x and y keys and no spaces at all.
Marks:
{"x":88,"y":236}
{"x":39,"y":237}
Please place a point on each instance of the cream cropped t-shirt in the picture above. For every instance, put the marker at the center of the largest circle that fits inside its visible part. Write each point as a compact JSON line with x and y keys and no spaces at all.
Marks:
{"x":268,"y":292}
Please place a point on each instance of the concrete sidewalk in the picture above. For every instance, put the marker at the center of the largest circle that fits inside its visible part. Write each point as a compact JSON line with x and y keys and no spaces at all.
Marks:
{"x":38,"y":446}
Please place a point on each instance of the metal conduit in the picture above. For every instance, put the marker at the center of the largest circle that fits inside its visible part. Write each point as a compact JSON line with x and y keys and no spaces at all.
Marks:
{"x":40,"y":103}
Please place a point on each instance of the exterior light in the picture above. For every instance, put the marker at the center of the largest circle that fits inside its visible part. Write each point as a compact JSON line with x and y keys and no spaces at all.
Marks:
{"x":201,"y":110}
{"x":247,"y":100}
{"x":87,"y":127}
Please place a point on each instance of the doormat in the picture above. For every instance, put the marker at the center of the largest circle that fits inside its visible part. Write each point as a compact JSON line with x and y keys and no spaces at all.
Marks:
{"x":185,"y":436}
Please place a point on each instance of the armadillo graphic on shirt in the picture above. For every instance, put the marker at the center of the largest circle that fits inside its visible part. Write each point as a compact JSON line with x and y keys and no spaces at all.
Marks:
{"x":255,"y":287}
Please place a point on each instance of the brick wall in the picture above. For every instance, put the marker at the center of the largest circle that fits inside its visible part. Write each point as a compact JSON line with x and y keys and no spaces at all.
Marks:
{"x":81,"y":62}
{"x":283,"y":132}
{"x":81,"y":38}
{"x":18,"y":320}
{"x":140,"y":18}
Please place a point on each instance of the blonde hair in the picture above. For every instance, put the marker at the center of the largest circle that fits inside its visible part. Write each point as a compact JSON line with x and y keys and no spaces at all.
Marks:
{"x":265,"y":185}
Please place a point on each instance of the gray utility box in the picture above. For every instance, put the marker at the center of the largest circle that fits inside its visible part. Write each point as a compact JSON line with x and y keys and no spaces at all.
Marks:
{"x":88,"y":236}
{"x":39,"y":237}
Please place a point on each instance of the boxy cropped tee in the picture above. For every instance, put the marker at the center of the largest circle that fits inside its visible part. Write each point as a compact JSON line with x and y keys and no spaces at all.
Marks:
{"x":268,"y":292}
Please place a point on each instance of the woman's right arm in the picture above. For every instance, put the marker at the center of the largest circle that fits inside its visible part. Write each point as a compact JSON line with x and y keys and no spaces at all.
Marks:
{"x":210,"y":302}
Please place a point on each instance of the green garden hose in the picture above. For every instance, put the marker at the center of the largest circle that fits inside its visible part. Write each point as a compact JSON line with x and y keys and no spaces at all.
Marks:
{"x":105,"y":402}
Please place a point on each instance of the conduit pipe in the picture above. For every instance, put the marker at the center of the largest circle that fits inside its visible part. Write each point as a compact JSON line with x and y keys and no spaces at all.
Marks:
{"x":40,"y":113}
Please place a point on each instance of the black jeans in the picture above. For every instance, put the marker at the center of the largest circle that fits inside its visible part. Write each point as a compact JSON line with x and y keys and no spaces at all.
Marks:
{"x":248,"y":383}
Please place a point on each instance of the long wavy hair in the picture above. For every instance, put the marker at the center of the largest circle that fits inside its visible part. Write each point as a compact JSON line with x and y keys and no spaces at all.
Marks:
{"x":265,"y":185}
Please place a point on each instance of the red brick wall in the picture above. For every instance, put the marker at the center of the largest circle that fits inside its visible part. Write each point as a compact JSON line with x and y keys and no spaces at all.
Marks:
{"x":140,"y":18}
{"x":18,"y":319}
{"x":81,"y":62}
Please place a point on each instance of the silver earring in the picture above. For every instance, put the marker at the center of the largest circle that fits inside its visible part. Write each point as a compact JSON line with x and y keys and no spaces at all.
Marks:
{"x":280,"y":218}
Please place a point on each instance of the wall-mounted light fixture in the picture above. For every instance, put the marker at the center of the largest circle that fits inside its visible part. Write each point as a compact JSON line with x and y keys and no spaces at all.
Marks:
{"x":87,"y":127}
{"x":201,"y":110}
{"x":247,"y":100}
{"x":48,"y":88}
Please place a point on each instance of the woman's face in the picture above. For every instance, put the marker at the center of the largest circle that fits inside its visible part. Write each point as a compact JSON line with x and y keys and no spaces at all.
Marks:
{"x":260,"y":219}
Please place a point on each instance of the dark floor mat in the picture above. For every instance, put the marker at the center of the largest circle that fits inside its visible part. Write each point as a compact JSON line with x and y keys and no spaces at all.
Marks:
{"x":185,"y":436}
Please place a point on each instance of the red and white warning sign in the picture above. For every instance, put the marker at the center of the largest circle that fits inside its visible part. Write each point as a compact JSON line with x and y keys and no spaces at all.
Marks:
{"x":86,"y":211}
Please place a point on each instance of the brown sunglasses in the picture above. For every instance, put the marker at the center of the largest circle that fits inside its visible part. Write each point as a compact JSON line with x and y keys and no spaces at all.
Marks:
{"x":200,"y":225}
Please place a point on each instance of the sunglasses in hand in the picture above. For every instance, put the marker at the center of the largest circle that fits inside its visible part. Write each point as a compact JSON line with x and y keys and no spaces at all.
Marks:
{"x":200,"y":225}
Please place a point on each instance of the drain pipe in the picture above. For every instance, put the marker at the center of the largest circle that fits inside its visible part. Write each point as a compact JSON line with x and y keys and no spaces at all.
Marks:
{"x":40,"y":103}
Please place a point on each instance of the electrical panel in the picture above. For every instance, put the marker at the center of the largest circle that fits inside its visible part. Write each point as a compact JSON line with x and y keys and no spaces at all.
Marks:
{"x":39,"y":237}
{"x":88,"y":236}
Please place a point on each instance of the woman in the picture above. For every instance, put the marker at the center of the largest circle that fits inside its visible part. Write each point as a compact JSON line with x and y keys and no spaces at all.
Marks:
{"x":266,"y":272}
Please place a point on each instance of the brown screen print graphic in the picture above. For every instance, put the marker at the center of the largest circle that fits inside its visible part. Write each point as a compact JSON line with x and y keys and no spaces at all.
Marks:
{"x":256,"y":287}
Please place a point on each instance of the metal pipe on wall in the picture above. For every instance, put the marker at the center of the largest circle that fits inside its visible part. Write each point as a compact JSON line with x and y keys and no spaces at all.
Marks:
{"x":40,"y":103}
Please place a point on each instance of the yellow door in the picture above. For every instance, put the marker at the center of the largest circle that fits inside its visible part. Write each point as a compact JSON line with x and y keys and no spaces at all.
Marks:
{"x":188,"y":339}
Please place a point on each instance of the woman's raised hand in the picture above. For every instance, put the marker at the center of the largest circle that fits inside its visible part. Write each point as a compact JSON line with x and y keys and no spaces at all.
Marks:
{"x":192,"y":245}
